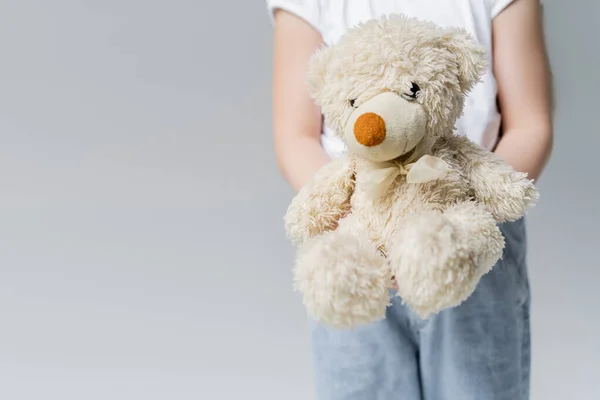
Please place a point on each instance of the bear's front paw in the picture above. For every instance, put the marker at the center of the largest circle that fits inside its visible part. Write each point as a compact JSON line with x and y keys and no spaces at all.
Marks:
{"x":438,"y":261}
{"x":508,"y":197}
{"x":344,"y":281}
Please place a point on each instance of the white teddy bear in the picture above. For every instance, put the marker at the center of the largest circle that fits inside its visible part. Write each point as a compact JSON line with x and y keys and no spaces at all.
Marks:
{"x":425,"y":203}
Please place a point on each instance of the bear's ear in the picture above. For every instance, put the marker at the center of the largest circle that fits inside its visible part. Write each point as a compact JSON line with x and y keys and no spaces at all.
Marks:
{"x":317,"y":70}
{"x":471,"y":57}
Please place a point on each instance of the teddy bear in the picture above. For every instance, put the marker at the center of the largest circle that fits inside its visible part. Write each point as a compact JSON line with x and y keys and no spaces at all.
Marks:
{"x":410,"y":201}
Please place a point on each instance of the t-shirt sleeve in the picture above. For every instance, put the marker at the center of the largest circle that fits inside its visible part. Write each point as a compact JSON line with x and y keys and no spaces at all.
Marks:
{"x":497,"y":6}
{"x":308,"y":10}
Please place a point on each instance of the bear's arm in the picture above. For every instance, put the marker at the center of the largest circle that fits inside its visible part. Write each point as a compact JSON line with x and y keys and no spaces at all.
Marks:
{"x":320,"y":204}
{"x":506,"y":193}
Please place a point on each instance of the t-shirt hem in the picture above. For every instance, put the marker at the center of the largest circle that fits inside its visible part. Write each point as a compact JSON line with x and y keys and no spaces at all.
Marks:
{"x":499,"y":6}
{"x":298,"y":10}
{"x":502,"y":4}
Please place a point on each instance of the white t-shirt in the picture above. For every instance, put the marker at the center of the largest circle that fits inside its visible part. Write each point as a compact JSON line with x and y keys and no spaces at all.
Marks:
{"x":332,"y":18}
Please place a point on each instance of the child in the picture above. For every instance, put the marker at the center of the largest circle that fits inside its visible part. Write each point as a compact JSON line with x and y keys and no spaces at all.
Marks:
{"x":479,"y":350}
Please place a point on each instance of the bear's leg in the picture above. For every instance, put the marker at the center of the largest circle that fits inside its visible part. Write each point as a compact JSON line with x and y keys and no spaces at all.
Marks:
{"x":439,"y":257}
{"x":343,"y":279}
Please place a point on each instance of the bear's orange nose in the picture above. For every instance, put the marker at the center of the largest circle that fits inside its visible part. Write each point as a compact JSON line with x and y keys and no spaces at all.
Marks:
{"x":369,"y":129}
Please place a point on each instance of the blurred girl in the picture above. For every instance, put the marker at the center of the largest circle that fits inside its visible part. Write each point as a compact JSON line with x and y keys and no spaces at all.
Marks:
{"x":481,"y":349}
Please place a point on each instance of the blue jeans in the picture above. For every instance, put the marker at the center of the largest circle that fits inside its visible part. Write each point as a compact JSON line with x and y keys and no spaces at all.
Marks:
{"x":479,"y":350}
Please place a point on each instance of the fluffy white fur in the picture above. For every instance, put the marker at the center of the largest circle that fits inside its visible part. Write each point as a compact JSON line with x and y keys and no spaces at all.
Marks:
{"x":436,"y":238}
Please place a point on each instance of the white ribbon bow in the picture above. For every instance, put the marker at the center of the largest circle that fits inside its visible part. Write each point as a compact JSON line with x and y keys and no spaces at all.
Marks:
{"x":426,"y":169}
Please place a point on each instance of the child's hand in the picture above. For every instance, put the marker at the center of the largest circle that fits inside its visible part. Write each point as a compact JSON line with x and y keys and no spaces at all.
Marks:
{"x":344,"y":215}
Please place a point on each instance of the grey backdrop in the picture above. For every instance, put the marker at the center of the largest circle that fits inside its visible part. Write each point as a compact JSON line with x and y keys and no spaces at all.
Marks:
{"x":141,"y":248}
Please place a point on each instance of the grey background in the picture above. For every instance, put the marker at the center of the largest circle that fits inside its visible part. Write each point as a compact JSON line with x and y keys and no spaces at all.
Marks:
{"x":141,"y":248}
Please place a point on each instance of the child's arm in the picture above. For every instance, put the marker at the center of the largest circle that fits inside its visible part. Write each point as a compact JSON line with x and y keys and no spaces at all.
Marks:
{"x":524,"y":89}
{"x":296,"y":118}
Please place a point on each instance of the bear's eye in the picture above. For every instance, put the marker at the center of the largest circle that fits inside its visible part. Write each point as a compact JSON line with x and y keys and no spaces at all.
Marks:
{"x":412,"y":93}
{"x":352,"y":103}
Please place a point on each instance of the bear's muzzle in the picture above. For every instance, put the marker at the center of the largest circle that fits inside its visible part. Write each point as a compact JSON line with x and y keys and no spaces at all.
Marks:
{"x":385,"y":127}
